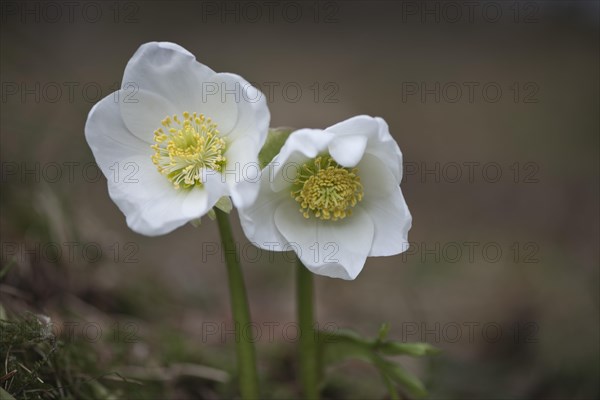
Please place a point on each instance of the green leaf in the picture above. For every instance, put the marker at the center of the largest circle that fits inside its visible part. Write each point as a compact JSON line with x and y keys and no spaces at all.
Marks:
{"x":388,"y":347}
{"x":275,"y":140}
{"x":342,"y":335}
{"x":391,"y":387}
{"x":344,"y":344}
{"x":337,"y":352}
{"x":383,"y":331}
{"x":400,"y":376}
{"x":4,"y":395}
{"x":410,"y":349}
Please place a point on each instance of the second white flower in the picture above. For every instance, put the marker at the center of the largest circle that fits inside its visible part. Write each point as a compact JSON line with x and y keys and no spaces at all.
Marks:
{"x":333,"y":196}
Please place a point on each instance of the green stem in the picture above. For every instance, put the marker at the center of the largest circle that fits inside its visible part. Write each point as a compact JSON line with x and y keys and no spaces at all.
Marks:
{"x":308,"y":345}
{"x":246,"y":356}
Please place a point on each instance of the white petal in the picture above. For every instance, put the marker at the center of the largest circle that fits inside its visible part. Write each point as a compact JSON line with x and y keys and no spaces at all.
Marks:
{"x":299,"y":147}
{"x":168,"y":70}
{"x":244,"y":193}
{"x":252,"y":117}
{"x":392,"y":221}
{"x":154,"y":207}
{"x":109,"y":138}
{"x":380,"y":142}
{"x":242,"y":151}
{"x":143,"y":112}
{"x":168,"y":80}
{"x":258,"y":221}
{"x":375,"y":176}
{"x":386,"y":149}
{"x":347,"y":150}
{"x":159,"y":212}
{"x":384,"y":203}
{"x":242,"y":173}
{"x":337,"y":249}
{"x":219,"y":100}
{"x":358,"y":125}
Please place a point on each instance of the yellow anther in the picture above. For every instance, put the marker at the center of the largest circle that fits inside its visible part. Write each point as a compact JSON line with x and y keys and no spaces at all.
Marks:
{"x":188,"y":149}
{"x":327,"y":190}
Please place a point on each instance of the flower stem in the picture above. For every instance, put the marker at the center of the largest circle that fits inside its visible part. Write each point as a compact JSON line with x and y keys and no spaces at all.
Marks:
{"x":308,"y":346}
{"x":246,"y":357}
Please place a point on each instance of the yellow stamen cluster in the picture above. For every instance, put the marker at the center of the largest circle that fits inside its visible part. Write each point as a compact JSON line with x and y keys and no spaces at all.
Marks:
{"x":185,"y":148}
{"x":327,"y":190}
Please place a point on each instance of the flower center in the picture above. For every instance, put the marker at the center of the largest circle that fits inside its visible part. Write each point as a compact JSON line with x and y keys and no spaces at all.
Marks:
{"x":327,"y":190}
{"x":184,"y":149}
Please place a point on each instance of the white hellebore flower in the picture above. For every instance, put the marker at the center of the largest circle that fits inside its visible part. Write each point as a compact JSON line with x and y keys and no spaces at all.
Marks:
{"x":333,"y":196}
{"x":176,"y":138}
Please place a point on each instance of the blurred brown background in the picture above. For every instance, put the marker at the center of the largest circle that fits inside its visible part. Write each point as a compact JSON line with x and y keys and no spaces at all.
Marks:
{"x":522,"y":323}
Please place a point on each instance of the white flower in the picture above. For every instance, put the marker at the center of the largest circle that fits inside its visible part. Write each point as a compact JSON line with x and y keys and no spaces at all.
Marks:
{"x":333,"y":196}
{"x":176,"y":138}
